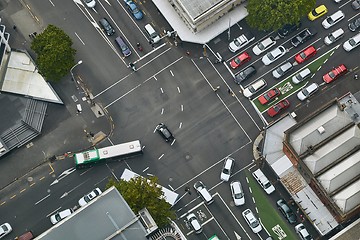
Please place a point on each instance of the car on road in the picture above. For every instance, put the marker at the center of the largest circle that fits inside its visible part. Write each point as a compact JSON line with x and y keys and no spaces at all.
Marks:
{"x":134,"y":10}
{"x":227,"y":168}
{"x":352,"y":43}
{"x":335,"y":73}
{"x":354,"y":25}
{"x":194,"y":223}
{"x":90,"y":196}
{"x":286,"y":211}
{"x":355,"y":4}
{"x":164,"y":131}
{"x":245,"y":74}
{"x":305,"y":54}
{"x":317,"y":12}
{"x":106,"y":26}
{"x":203,"y":192}
{"x":305,"y":93}
{"x":57,"y":217}
{"x":273,"y":55}
{"x":269,"y":96}
{"x":252,"y":221}
{"x":5,"y":229}
{"x":282,"y":70}
{"x":241,"y":42}
{"x":237,"y":193}
{"x":334,"y":36}
{"x":277,"y":108}
{"x":253,"y":88}
{"x":287,"y":29}
{"x":333,"y":19}
{"x":303,"y":36}
{"x":90,"y":3}
{"x":240,"y":60}
{"x":302,"y":232}
{"x":263,"y":45}
{"x":301,"y":76}
{"x":263,"y":181}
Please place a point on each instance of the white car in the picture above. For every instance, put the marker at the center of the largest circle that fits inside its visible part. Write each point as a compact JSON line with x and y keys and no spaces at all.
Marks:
{"x":194,"y":223}
{"x":333,"y":19}
{"x":305,"y":93}
{"x":226,"y":170}
{"x":273,"y":55}
{"x":90,"y":3}
{"x":253,"y":88}
{"x":90,"y":196}
{"x":264,"y":45}
{"x":301,"y":76}
{"x":352,"y":43}
{"x":334,"y":36}
{"x":5,"y":229}
{"x":240,"y":42}
{"x":60,"y":216}
{"x":302,"y":232}
{"x":252,"y":221}
{"x":237,"y":193}
{"x":282,"y":70}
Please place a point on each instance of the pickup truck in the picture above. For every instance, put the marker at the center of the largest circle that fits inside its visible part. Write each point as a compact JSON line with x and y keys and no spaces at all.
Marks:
{"x":241,"y":42}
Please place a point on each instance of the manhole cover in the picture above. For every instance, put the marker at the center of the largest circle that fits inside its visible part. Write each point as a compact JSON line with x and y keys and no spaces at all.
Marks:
{"x":30,"y":179}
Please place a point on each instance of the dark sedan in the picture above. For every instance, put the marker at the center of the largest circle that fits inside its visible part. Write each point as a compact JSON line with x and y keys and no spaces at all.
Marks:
{"x":286,"y":211}
{"x":245,"y":74}
{"x":163,"y":130}
{"x":303,"y":36}
{"x":287,"y":29}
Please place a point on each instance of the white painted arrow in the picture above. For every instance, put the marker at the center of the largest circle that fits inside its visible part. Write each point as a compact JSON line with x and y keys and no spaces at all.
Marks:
{"x":238,"y":237}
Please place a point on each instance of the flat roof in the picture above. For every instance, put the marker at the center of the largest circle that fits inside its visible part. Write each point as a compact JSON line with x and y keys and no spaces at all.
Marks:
{"x":349,"y":198}
{"x":194,"y":8}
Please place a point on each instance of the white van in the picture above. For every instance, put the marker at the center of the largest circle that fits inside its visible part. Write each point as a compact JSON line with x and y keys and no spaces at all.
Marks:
{"x":203,"y":192}
{"x":301,"y":76}
{"x":154,"y":36}
{"x":263,"y":181}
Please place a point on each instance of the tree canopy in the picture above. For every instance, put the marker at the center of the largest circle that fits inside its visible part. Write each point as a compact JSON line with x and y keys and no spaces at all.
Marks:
{"x":273,"y":14}
{"x":55,"y":56}
{"x":142,"y":193}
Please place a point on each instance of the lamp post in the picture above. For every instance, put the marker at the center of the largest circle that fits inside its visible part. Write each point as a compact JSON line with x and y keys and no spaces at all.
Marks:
{"x":72,"y":75}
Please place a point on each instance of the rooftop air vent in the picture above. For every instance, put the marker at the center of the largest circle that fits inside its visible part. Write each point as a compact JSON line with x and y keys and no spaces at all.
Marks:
{"x":321,"y":129}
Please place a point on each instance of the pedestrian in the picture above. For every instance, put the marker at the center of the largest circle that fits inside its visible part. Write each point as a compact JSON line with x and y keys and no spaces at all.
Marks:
{"x":188,"y":52}
{"x":14,"y":27}
{"x":297,"y":210}
{"x":229,"y":91}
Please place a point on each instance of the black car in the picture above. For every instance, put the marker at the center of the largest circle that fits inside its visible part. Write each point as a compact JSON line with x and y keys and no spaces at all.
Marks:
{"x":163,"y":130}
{"x":354,"y":25}
{"x":303,"y":36}
{"x":105,"y":25}
{"x":286,"y":211}
{"x":287,"y":29}
{"x":245,"y":74}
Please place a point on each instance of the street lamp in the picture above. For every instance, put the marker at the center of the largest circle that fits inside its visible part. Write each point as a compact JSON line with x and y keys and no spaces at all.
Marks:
{"x":72,"y":75}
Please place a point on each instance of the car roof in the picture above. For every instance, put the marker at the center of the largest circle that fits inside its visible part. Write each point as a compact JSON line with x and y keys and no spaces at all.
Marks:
{"x":337,"y":15}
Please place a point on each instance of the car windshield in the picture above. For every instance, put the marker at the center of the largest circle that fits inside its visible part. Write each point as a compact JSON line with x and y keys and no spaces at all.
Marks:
{"x":332,"y":74}
{"x":331,"y":37}
{"x":261,"y":46}
{"x":280,"y":71}
{"x":237,"y":61}
{"x":314,"y":13}
{"x":239,"y":195}
{"x":226,"y":171}
{"x":352,"y":42}
{"x":5,"y":228}
{"x":305,"y":92}
{"x":270,"y":56}
{"x":298,"y":76}
{"x":330,"y":20}
{"x":277,"y":108}
{"x":237,"y":43}
{"x":166,"y":133}
{"x":134,"y":9}
{"x":87,"y":199}
{"x":57,"y":217}
{"x":303,"y":55}
{"x":254,"y":224}
{"x":252,"y":89}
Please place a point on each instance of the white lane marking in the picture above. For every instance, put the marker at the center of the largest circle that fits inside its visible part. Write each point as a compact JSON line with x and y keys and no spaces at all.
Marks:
{"x":42,"y":199}
{"x":171,"y":72}
{"x":52,"y":3}
{"x":85,"y":171}
{"x":253,"y":199}
{"x":162,"y":111}
{"x":56,"y":210}
{"x":79,"y":38}
{"x":250,"y":189}
{"x":145,"y":169}
{"x":182,"y":107}
{"x":160,"y":156}
{"x":180,"y":125}
{"x":155,"y":78}
{"x":162,"y":91}
{"x":171,"y":187}
{"x":247,"y":180}
{"x":173,"y":142}
{"x":178,"y":89}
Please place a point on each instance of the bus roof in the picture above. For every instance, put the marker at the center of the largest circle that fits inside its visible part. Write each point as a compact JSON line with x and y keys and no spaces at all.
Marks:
{"x":86,"y":156}
{"x":123,"y":148}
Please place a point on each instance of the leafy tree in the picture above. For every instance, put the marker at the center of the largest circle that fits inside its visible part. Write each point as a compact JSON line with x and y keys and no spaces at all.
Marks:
{"x":142,"y":192}
{"x":55,"y":56}
{"x":273,"y":14}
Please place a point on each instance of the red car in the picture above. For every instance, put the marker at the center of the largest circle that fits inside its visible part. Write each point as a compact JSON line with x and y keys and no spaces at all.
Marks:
{"x":240,"y":60}
{"x":305,"y":54}
{"x":269,"y":96}
{"x":274,"y":110}
{"x":335,"y":73}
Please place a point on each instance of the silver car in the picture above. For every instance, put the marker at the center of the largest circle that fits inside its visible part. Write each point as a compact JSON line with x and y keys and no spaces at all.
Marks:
{"x":264,"y":45}
{"x":273,"y":55}
{"x":282,"y":70}
{"x":253,"y":88}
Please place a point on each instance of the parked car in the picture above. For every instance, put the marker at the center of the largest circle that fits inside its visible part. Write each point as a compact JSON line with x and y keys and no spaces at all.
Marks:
{"x":302,"y":232}
{"x":240,"y":60}
{"x":227,"y":168}
{"x":352,"y":43}
{"x":287,"y":29}
{"x":57,"y":217}
{"x":263,"y":181}
{"x":203,"y":192}
{"x":277,"y":108}
{"x":5,"y":229}
{"x":305,"y":54}
{"x":245,"y":74}
{"x":333,"y":19}
{"x":354,"y":25}
{"x":317,"y":12}
{"x":134,"y":10}
{"x":255,"y":87}
{"x":269,"y":96}
{"x":237,"y":193}
{"x":194,"y":223}
{"x":106,"y":26}
{"x":252,"y":221}
{"x":90,"y":3}
{"x":301,"y":76}
{"x":164,"y":131}
{"x":334,"y":36}
{"x":286,"y":211}
{"x":264,"y":45}
{"x":90,"y":196}
{"x":303,"y":36}
{"x":26,"y":236}
{"x":282,"y":70}
{"x":241,"y":42}
{"x":355,"y":4}
{"x":335,"y":73}
{"x":305,"y":93}
{"x":273,"y":55}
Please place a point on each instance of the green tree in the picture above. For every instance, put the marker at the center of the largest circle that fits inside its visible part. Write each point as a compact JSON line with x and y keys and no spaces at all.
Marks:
{"x":142,"y":192}
{"x":55,"y":56}
{"x":273,"y":14}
